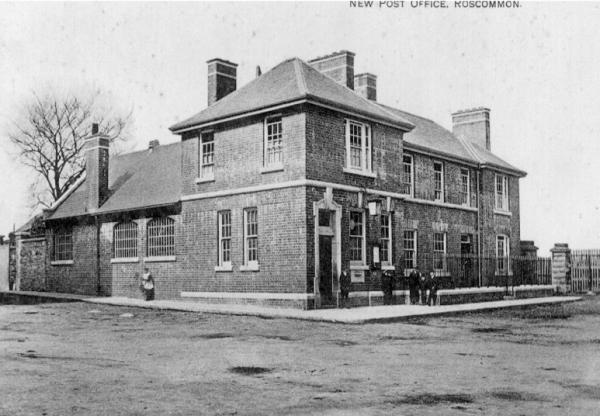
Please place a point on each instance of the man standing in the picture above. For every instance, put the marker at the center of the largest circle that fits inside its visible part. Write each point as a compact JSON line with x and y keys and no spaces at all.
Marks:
{"x":432,"y":285}
{"x":413,"y":287}
{"x":344,"y":288}
{"x":423,"y":288}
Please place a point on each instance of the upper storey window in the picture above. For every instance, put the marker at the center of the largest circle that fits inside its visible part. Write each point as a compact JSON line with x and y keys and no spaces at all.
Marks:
{"x":273,"y":146}
{"x":502,"y":192}
{"x":408,"y":177}
{"x":358,"y":147}
{"x":438,"y":181}
{"x":207,"y":156}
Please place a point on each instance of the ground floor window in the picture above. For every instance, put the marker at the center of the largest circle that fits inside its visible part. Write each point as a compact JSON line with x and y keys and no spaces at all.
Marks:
{"x":357,"y":236}
{"x":502,"y":254}
{"x":224,"y":238}
{"x":410,"y":249}
{"x":386,"y":239}
{"x":251,"y":236}
{"x":161,"y":237}
{"x":125,"y":240}
{"x":63,"y":244}
{"x":439,"y":251}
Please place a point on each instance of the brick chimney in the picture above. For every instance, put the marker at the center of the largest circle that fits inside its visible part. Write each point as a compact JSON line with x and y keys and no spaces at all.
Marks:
{"x":473,"y":125}
{"x":96,"y":168}
{"x":222,"y":79}
{"x":366,"y":85}
{"x":152,"y":144}
{"x":338,"y":65}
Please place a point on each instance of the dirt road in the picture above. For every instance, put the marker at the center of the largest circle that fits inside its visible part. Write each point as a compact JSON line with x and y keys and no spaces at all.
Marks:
{"x":77,"y":359}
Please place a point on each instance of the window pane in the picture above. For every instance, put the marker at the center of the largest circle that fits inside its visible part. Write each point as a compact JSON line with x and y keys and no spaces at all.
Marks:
{"x":125,"y":240}
{"x":356,"y":236}
{"x":161,"y":237}
{"x":409,"y":240}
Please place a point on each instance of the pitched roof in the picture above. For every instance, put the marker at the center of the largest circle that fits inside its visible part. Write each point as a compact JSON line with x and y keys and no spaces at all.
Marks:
{"x":427,"y":134}
{"x":137,"y":180}
{"x":288,"y":82}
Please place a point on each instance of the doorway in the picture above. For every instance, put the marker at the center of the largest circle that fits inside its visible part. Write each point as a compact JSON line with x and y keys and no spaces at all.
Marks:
{"x":466,"y":260}
{"x":326,"y":271}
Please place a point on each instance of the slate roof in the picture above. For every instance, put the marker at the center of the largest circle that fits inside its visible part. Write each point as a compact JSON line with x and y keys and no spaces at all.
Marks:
{"x":137,"y":180}
{"x":290,"y":81}
{"x":429,"y":135}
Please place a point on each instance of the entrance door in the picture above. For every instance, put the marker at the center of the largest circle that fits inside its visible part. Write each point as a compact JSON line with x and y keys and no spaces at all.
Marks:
{"x":466,"y":261}
{"x":325,"y":271}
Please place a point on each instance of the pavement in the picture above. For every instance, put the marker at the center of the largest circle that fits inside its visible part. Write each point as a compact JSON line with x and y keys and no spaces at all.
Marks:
{"x":359,"y":315}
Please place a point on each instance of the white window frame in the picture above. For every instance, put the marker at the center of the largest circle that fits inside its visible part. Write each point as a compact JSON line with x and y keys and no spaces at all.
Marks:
{"x":206,"y":174}
{"x":411,"y":183}
{"x":63,"y":245}
{"x":465,"y":195}
{"x":443,"y":252}
{"x":387,"y":242}
{"x":250,"y":264}
{"x":366,"y":149}
{"x":125,"y":240}
{"x":273,"y":143}
{"x":501,"y":192}
{"x":363,"y":260}
{"x":223,"y":237}
{"x":441,"y":196}
{"x":160,"y":237}
{"x":405,"y":250}
{"x":503,"y":259}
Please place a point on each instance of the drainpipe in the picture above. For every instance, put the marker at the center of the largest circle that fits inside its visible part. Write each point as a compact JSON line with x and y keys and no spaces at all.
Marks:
{"x":479,"y":194}
{"x":98,"y":286}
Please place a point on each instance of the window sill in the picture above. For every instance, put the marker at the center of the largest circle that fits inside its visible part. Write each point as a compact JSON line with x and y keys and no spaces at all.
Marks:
{"x":125,"y":260}
{"x":388,"y":267}
{"x":159,"y":259}
{"x":407,"y":272}
{"x":274,"y":168}
{"x":441,"y":273}
{"x":249,"y":268}
{"x":61,"y":262}
{"x":360,"y":173}
{"x":224,"y":268}
{"x":502,"y":212}
{"x":204,"y":180}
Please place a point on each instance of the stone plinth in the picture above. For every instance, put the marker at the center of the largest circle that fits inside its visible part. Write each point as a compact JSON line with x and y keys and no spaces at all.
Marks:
{"x":561,"y":267}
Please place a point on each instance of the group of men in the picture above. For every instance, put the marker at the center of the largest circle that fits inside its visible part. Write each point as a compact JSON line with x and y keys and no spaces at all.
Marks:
{"x":422,"y":288}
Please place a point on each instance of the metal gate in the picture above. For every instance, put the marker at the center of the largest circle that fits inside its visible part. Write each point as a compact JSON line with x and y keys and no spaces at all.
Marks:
{"x":585,"y":270}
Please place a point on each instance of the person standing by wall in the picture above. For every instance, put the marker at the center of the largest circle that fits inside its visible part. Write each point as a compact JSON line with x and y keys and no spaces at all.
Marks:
{"x":344,"y":288}
{"x":148,"y":284}
{"x":413,"y":287}
{"x":423,"y":288}
{"x":432,"y":286}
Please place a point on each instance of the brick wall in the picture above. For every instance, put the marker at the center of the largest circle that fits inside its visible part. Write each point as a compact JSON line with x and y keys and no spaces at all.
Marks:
{"x":239,"y":154}
{"x":32,"y":257}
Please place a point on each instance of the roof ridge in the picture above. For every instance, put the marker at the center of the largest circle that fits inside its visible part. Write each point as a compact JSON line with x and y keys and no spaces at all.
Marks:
{"x":369,"y":102}
{"x":411,"y":114}
{"x":300,"y":76}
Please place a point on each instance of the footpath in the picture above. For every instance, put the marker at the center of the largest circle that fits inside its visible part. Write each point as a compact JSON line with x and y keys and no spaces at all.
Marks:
{"x":359,"y":315}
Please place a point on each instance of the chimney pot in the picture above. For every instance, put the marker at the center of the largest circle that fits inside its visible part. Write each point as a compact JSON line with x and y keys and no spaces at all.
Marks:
{"x":258,"y":71}
{"x":95,"y":128}
{"x":339,"y":66}
{"x":222,"y":79}
{"x":473,"y":125}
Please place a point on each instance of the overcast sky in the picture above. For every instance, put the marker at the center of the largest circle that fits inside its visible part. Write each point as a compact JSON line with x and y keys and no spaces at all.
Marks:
{"x":536,"y":67}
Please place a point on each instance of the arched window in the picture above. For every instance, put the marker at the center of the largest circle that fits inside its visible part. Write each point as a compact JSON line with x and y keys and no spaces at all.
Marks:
{"x":125,"y":240}
{"x":161,"y":237}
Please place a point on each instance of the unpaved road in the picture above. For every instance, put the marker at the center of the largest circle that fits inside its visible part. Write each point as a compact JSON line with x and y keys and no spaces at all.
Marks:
{"x":79,"y":359}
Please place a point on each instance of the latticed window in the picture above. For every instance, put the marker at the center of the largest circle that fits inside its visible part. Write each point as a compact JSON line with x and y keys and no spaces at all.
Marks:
{"x":125,"y":240}
{"x":358,"y":146}
{"x":439,"y":251}
{"x":251,"y":235}
{"x":464,"y":186}
{"x":161,"y":237}
{"x":502,"y":254}
{"x":357,"y":236}
{"x":224,"y":238}
{"x":386,"y":239}
{"x":407,"y":177}
{"x":274,"y":142}
{"x":207,"y":155}
{"x":438,"y":179}
{"x":502,"y":192}
{"x":410,"y":249}
{"x":63,"y":244}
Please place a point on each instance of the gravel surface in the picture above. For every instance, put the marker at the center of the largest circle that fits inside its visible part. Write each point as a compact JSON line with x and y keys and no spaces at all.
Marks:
{"x":78,"y":358}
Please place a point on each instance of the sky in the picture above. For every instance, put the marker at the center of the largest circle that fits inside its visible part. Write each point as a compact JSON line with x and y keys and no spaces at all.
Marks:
{"x":537,"y":67}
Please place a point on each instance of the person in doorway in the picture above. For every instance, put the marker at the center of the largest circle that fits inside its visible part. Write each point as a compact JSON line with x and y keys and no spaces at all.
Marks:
{"x":413,"y":287}
{"x":148,"y":284}
{"x":388,"y":289}
{"x":344,"y":288}
{"x":432,"y":286}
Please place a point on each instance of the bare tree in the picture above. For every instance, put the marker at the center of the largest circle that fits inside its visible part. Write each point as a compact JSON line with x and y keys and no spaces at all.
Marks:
{"x":50,"y":135}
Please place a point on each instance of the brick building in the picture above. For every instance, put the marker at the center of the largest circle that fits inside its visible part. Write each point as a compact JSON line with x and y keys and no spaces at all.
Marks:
{"x":265,"y":199}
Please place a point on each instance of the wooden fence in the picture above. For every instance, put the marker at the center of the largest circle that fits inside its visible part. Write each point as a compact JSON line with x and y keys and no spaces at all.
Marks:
{"x":585,"y":270}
